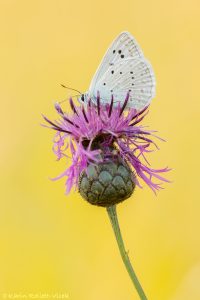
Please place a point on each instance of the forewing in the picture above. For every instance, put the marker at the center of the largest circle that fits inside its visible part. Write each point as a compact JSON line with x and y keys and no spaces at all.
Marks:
{"x":123,"y":47}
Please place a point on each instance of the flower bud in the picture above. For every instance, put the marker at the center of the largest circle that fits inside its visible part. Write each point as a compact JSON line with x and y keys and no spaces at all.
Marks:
{"x":107,"y":183}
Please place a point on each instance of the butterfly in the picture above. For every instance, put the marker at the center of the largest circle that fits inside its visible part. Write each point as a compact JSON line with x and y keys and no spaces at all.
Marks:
{"x":123,"y":69}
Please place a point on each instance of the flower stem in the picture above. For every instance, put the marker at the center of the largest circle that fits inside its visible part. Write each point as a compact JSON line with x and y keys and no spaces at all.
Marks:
{"x":115,"y":225}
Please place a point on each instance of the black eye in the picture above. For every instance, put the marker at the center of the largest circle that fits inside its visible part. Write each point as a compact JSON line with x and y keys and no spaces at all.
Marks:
{"x":82,"y":98}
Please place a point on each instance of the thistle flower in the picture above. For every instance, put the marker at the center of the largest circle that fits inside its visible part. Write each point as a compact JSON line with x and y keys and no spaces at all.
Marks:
{"x":108,"y":146}
{"x":97,"y":135}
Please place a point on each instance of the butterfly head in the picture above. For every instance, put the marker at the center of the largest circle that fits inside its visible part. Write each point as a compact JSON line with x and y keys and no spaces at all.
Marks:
{"x":83,"y":98}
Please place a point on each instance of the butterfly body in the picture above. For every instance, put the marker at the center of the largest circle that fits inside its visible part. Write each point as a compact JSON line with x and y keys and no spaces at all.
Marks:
{"x":123,"y":69}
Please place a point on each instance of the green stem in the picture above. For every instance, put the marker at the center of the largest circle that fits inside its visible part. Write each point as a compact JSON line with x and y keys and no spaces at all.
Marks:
{"x":115,"y":225}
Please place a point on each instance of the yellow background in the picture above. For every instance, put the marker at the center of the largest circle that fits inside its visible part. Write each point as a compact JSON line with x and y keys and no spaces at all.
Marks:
{"x":51,"y":243}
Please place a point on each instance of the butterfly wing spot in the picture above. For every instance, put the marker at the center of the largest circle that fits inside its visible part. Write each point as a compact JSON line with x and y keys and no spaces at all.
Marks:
{"x":123,"y":69}
{"x":123,"y":79}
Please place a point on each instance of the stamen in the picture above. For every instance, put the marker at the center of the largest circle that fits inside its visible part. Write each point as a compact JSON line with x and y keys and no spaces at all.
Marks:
{"x":98,"y":103}
{"x":61,"y":130}
{"x":138,"y":114}
{"x":55,"y":127}
{"x":111,"y":106}
{"x":73,"y":106}
{"x":125,"y":103}
{"x":144,"y":132}
{"x":53,"y":124}
{"x":84,"y":114}
{"x":58,"y":108}
{"x":60,"y":111}
{"x":146,"y":139}
{"x":137,"y":120}
{"x":70,"y":122}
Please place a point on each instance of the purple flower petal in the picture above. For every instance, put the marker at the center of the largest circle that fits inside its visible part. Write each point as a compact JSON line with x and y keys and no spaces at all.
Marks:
{"x":88,"y":122}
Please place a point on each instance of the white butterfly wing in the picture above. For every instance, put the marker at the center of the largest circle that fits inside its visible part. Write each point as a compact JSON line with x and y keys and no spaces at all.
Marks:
{"x":123,"y":46}
{"x":123,"y":61}
{"x":133,"y":75}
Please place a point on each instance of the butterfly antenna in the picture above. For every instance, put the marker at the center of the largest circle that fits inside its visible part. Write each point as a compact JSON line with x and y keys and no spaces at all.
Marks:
{"x":66,"y":87}
{"x":98,"y":102}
